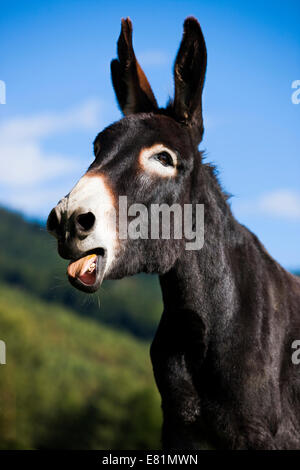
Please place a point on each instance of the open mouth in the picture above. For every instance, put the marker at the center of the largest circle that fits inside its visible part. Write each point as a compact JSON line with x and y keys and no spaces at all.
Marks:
{"x":86,"y":273}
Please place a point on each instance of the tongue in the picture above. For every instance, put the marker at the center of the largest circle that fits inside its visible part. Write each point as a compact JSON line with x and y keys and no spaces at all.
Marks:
{"x":80,"y":269}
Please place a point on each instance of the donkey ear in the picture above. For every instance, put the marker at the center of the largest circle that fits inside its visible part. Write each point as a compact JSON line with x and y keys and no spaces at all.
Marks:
{"x":189,"y":76}
{"x":131,"y":86}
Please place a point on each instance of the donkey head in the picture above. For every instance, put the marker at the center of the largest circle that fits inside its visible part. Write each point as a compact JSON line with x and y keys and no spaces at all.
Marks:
{"x":149,"y":156}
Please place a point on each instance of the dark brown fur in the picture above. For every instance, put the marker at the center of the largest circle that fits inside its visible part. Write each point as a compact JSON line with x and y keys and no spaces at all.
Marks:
{"x":222,"y":352}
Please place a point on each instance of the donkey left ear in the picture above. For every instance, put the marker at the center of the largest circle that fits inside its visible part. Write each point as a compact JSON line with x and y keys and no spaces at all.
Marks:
{"x":189,"y":76}
{"x":131,"y":86}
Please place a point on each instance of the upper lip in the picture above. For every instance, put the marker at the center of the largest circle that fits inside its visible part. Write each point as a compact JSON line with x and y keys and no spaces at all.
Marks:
{"x":96,"y":251}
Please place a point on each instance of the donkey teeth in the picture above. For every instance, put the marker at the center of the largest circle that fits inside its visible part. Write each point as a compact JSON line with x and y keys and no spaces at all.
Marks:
{"x":92,"y":267}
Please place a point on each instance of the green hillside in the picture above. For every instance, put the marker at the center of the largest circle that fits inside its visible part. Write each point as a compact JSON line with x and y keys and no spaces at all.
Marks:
{"x":70,"y":382}
{"x":29,"y":259}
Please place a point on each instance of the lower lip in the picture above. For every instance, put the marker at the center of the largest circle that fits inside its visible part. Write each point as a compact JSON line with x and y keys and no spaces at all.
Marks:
{"x":91,"y":288}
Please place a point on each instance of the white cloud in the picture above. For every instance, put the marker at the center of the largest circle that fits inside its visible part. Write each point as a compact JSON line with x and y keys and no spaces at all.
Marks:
{"x":85,"y":116}
{"x":23,"y":158}
{"x":280,"y":204}
{"x":29,"y":174}
{"x":26,"y":164}
{"x":37,"y":202}
{"x":152,"y":58}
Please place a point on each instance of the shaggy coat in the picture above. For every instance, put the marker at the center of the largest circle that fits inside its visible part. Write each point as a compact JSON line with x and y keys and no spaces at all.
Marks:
{"x":222,"y":352}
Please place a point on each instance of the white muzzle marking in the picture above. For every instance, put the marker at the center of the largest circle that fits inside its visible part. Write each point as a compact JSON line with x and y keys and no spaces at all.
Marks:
{"x":92,"y":194}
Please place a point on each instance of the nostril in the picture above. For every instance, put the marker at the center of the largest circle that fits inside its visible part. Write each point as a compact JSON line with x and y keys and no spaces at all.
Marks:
{"x":53,"y":222}
{"x":85,"y":221}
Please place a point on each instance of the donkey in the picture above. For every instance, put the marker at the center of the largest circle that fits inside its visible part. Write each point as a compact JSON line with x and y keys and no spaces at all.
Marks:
{"x":222,"y":353}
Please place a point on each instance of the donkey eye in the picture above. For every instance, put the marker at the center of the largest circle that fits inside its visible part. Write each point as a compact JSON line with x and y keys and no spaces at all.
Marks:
{"x":164,"y":158}
{"x":158,"y":160}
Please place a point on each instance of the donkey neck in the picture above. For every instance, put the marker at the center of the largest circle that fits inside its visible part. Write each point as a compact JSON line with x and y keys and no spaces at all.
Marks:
{"x":201,"y":281}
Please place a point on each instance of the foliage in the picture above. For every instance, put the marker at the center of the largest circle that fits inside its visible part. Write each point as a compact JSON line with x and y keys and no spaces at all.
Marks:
{"x":70,"y":382}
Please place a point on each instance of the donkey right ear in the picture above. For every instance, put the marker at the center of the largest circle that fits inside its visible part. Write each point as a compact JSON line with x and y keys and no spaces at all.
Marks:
{"x":189,"y":76}
{"x":131,"y":86}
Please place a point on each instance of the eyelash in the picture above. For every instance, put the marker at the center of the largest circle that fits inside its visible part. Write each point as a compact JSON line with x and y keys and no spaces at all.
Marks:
{"x":164,"y":158}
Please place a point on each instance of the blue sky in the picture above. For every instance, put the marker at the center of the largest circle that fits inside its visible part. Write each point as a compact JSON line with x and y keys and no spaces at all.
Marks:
{"x":55,"y":58}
